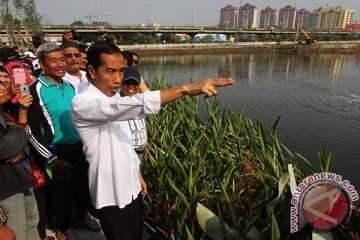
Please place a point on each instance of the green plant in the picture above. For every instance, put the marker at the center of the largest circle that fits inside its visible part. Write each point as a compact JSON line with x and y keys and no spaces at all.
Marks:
{"x":228,"y":163}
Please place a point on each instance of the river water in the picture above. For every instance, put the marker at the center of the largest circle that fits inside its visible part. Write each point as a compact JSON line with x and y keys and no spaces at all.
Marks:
{"x":317,"y":96}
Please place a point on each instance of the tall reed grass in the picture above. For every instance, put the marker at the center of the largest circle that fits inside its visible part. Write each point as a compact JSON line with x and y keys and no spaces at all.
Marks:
{"x":226,"y":162}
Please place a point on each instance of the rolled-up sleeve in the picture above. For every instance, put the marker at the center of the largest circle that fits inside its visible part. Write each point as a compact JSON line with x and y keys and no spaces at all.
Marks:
{"x":92,"y":108}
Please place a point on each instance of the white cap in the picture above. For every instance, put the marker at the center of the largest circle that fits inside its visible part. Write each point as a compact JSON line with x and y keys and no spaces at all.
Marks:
{"x":29,"y":54}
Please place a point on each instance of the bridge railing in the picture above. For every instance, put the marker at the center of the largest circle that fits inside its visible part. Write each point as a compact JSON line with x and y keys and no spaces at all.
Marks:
{"x":172,"y":29}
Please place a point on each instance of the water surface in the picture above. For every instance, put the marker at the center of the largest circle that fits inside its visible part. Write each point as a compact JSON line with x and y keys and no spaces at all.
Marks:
{"x":317,"y":97}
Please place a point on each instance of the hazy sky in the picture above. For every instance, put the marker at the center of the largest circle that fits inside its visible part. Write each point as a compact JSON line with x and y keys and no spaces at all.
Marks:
{"x":167,"y":12}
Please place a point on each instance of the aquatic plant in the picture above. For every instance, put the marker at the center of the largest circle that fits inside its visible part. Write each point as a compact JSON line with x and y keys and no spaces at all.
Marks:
{"x":223,"y":162}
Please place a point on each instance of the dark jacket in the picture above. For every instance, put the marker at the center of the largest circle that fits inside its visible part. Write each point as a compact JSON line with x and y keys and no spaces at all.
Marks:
{"x":13,"y":177}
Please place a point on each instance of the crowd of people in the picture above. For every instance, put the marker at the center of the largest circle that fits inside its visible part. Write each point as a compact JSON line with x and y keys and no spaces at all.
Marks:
{"x":71,"y":147}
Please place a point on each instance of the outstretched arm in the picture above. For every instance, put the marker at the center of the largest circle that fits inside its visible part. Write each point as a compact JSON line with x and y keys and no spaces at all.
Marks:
{"x":89,"y":110}
{"x":207,"y":87}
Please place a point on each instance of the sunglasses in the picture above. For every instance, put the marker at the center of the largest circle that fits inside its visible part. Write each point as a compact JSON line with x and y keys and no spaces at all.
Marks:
{"x":69,"y":55}
{"x":136,"y":61}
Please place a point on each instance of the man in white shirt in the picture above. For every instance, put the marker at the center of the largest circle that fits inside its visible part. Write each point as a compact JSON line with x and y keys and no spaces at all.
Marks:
{"x":100,"y":116}
{"x":75,"y":76}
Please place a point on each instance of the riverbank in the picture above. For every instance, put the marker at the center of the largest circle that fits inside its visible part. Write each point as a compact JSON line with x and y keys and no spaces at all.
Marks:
{"x":341,"y":47}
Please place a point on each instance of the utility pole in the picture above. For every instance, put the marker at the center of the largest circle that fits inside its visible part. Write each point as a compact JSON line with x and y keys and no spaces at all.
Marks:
{"x":147,"y":10}
{"x":192,"y":16}
{"x":96,"y":16}
{"x":96,"y":12}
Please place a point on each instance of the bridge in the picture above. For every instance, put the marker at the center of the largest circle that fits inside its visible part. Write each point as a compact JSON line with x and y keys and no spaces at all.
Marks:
{"x":94,"y":31}
{"x":190,"y":30}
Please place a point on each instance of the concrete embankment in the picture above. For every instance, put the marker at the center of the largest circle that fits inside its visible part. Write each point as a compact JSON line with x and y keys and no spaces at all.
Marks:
{"x":342,"y":47}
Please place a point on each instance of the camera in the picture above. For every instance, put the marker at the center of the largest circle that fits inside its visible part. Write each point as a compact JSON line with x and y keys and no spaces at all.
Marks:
{"x":108,"y":37}
{"x":76,"y":36}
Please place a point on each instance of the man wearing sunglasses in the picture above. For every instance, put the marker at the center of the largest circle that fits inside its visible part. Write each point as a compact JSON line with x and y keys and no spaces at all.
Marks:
{"x":54,"y":140}
{"x":74,"y":75}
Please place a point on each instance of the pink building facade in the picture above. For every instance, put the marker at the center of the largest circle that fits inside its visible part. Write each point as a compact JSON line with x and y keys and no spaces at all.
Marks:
{"x":247,"y":16}
{"x":267,"y":18}
{"x":229,"y":17}
{"x":302,"y":18}
{"x":287,"y":17}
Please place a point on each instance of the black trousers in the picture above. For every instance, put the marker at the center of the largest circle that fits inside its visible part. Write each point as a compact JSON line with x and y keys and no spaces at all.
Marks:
{"x":123,"y":223}
{"x":41,"y":203}
{"x":72,"y":195}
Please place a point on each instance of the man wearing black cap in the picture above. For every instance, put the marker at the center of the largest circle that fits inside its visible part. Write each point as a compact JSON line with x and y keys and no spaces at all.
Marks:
{"x":130,"y":86}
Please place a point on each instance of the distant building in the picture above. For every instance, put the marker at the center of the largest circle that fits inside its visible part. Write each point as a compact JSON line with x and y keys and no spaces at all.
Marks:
{"x":229,"y":16}
{"x":247,"y":16}
{"x":287,"y":18}
{"x":352,"y":27}
{"x":330,"y":18}
{"x":267,"y":18}
{"x":345,"y":18}
{"x":101,"y":23}
{"x":302,"y":18}
{"x":314,"y":20}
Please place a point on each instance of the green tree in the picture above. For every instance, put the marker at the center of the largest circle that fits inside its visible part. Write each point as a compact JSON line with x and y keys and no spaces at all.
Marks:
{"x":77,"y":23}
{"x":26,"y":17}
{"x":207,"y":39}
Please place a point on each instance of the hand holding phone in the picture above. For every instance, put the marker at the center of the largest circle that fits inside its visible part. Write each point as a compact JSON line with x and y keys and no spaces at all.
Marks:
{"x":19,"y":78}
{"x":24,"y":89}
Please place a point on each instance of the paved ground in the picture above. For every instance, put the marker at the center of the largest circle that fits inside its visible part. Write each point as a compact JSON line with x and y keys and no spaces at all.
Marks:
{"x":81,"y":234}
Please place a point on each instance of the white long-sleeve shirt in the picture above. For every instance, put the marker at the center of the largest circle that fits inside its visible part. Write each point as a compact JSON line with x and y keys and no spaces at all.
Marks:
{"x":105,"y":133}
{"x":79,"y":85}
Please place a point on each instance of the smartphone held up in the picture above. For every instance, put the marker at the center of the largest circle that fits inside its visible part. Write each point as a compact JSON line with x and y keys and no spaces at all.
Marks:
{"x":24,"y":89}
{"x":20,"y":78}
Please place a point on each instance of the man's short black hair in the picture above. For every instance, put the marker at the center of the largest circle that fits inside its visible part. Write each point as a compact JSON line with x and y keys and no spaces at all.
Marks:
{"x":98,"y":48}
{"x":83,"y":47}
{"x":128,"y":57}
{"x":69,"y":44}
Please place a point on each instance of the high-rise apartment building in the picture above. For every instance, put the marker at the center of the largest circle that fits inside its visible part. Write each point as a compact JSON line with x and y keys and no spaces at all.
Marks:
{"x":314,"y":20}
{"x":267,"y":18}
{"x":229,"y":17}
{"x":302,"y":18}
{"x":287,"y":18}
{"x":330,"y":18}
{"x":346,"y":17}
{"x":247,"y":16}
